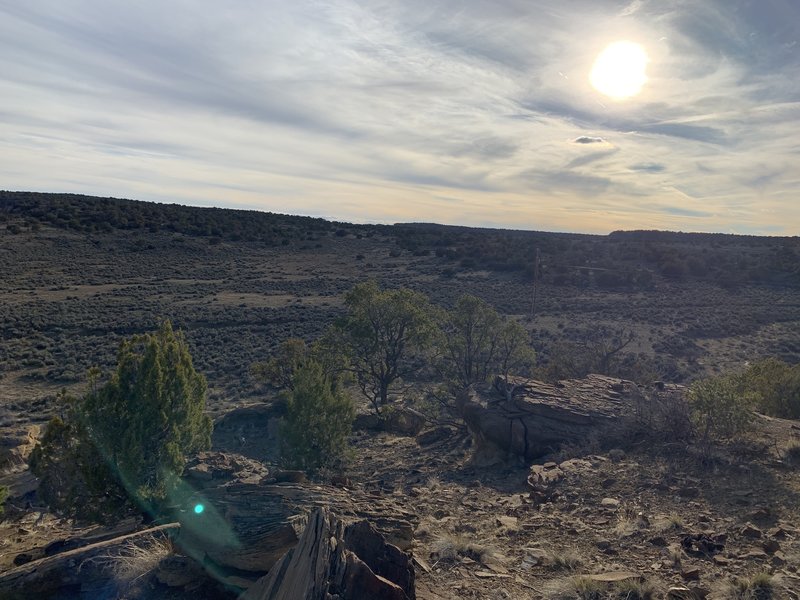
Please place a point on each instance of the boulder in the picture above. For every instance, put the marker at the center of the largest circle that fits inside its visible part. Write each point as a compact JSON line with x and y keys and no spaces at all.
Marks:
{"x":240,"y":523}
{"x":536,"y":418}
{"x":16,"y":445}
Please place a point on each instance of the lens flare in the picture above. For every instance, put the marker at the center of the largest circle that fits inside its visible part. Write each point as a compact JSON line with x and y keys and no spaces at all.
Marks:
{"x":199,"y":508}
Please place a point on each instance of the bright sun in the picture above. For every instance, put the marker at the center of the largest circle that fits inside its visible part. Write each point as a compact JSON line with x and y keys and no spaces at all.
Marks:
{"x":618,"y":70}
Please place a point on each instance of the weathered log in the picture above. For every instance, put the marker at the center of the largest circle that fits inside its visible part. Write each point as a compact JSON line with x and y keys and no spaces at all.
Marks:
{"x":75,"y":569}
{"x":325,"y":563}
{"x":539,"y":417}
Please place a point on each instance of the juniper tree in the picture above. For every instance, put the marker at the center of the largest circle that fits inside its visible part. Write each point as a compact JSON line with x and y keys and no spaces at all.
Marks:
{"x":129,"y":437}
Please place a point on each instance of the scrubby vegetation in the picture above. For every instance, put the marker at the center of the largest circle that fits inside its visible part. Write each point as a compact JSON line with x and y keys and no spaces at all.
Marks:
{"x":125,"y":441}
{"x":88,"y":214}
{"x":623,"y":260}
{"x":379,"y":335}
{"x":319,"y":417}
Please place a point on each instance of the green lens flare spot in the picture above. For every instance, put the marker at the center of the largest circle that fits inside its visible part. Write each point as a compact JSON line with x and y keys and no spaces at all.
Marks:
{"x":199,"y":508}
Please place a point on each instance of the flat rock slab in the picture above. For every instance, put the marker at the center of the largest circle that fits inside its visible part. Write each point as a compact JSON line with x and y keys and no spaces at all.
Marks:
{"x":536,"y":418}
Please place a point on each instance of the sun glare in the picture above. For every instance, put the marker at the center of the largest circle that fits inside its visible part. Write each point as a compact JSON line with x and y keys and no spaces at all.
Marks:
{"x":619,"y":70}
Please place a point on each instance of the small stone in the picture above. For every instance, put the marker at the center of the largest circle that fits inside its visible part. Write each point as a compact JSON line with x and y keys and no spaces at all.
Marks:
{"x":755,"y":554}
{"x":535,"y":556}
{"x":507,"y":522}
{"x":603,"y":544}
{"x":761,"y":514}
{"x":771,"y":546}
{"x":751,"y":531}
{"x":779,"y":533}
{"x":778,"y":559}
{"x":609,"y":503}
{"x":691,"y":573}
{"x":720,"y":561}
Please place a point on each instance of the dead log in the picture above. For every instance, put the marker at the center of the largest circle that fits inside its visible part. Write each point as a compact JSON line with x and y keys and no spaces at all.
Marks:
{"x":325,"y":563}
{"x":75,"y":569}
{"x":538,"y":418}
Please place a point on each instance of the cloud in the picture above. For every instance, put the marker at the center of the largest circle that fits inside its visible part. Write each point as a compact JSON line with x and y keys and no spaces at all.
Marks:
{"x":586,"y":139}
{"x":377,"y":111}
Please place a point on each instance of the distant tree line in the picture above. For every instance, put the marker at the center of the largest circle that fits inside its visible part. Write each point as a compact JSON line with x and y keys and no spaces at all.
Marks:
{"x":622,"y":260}
{"x":88,"y":214}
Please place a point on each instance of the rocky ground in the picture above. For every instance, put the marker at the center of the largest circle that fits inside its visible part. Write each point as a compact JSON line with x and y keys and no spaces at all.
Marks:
{"x":651,"y":517}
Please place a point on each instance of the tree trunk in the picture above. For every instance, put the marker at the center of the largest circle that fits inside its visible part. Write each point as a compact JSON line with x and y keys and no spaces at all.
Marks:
{"x":81,"y":569}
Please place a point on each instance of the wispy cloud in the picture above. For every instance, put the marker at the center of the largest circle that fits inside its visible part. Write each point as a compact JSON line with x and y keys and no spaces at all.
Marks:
{"x":376,"y":111}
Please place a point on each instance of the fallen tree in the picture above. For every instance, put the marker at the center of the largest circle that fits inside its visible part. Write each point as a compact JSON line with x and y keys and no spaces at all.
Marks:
{"x":83,"y":570}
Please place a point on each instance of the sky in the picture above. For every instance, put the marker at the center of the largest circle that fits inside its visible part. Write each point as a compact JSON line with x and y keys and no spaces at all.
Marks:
{"x":453,"y":111}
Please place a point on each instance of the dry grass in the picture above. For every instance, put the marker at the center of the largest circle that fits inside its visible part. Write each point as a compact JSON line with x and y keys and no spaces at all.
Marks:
{"x":449,"y":547}
{"x":135,"y":561}
{"x":635,"y":590}
{"x":671,"y":522}
{"x":567,"y":560}
{"x":755,"y":587}
{"x":630,"y":521}
{"x":584,"y":588}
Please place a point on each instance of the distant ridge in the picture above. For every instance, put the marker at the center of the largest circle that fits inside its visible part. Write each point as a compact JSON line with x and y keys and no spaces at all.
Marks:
{"x":624,"y":260}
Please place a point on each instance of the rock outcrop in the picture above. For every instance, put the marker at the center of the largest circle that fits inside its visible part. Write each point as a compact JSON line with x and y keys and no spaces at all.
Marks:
{"x":331,"y":559}
{"x":249,"y":520}
{"x":536,"y":418}
{"x":16,"y":445}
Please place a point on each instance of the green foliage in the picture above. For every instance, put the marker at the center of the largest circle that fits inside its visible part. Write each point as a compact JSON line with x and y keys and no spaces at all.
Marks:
{"x":279,"y":369}
{"x":775,"y":386}
{"x":127,"y":440}
{"x":380,"y":333}
{"x":469,"y":341}
{"x":515,"y":355}
{"x":720,"y":408}
{"x":319,"y":418}
{"x":475,"y":342}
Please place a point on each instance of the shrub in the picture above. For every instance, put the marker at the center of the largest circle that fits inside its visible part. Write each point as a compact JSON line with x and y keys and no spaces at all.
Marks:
{"x":126,"y":440}
{"x":756,"y":587}
{"x":319,"y":418}
{"x":719,"y":408}
{"x":279,"y":370}
{"x":776,"y":387}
